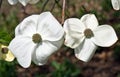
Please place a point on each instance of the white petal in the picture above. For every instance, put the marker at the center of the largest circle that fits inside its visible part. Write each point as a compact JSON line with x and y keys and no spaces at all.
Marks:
{"x":17,"y":30}
{"x":22,"y":48}
{"x":74,"y":29}
{"x":27,"y":27}
{"x":74,"y":25}
{"x":49,"y":28}
{"x":9,"y":57}
{"x":24,"y":2}
{"x":45,"y":50}
{"x":33,"y":1}
{"x":6,"y":56}
{"x":90,"y":21}
{"x":86,"y":50}
{"x":116,"y":4}
{"x":73,"y":42}
{"x":104,"y":36}
{"x":12,"y":2}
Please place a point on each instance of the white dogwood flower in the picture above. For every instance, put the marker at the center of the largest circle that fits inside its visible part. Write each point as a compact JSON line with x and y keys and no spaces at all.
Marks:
{"x":23,"y":2}
{"x":36,"y":38}
{"x":85,"y":35}
{"x":116,"y":4}
{"x":5,"y":53}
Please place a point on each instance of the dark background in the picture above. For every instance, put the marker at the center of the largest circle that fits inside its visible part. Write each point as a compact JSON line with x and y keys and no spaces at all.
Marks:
{"x":106,"y":61}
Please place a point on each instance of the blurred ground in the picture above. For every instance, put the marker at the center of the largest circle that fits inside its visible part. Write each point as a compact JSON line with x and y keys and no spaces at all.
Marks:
{"x":106,"y":61}
{"x":101,"y":65}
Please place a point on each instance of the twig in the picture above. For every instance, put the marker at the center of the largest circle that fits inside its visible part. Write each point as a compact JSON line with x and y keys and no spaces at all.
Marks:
{"x":24,"y":10}
{"x":63,"y":12}
{"x":44,"y":4}
{"x":53,"y":6}
{"x":66,"y":11}
{"x":84,"y":9}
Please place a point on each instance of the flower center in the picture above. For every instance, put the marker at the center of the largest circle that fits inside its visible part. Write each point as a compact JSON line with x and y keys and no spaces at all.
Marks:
{"x":36,"y":38}
{"x":88,"y":33}
{"x":4,"y":50}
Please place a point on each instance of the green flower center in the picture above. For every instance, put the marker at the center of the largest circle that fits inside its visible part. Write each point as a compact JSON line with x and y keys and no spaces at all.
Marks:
{"x":4,"y":50}
{"x":88,"y":33}
{"x":36,"y":38}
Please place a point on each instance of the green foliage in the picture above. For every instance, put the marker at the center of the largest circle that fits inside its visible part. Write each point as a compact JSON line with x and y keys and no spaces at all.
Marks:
{"x":4,"y":37}
{"x":106,"y":5}
{"x":8,"y":24}
{"x":118,"y":75}
{"x":116,"y":53}
{"x":7,"y":69}
{"x":65,"y":69}
{"x":9,"y":21}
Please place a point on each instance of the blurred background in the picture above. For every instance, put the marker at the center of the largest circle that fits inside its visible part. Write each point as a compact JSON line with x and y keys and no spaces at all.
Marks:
{"x":105,"y":62}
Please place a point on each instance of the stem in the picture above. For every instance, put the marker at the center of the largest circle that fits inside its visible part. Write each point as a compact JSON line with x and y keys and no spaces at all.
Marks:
{"x":44,"y":4}
{"x":24,"y":10}
{"x":53,"y":6}
{"x":63,"y":12}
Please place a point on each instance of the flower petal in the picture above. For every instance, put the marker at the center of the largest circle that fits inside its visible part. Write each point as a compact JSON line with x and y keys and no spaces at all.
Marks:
{"x":12,"y":2}
{"x":27,"y":27}
{"x":73,"y":42}
{"x":1,"y":54}
{"x":90,"y":21}
{"x":6,"y":56}
{"x":74,"y":25}
{"x":9,"y":57}
{"x":104,"y":36}
{"x":74,"y":30}
{"x":49,"y":28}
{"x":33,"y":1}
{"x":45,"y":50}
{"x":22,"y":48}
{"x":116,"y":4}
{"x":24,"y":2}
{"x":86,"y":50}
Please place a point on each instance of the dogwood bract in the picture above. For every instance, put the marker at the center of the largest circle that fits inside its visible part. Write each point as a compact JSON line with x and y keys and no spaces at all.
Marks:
{"x":5,"y":53}
{"x":23,"y":2}
{"x":36,"y":38}
{"x":84,"y":35}
{"x":116,"y":4}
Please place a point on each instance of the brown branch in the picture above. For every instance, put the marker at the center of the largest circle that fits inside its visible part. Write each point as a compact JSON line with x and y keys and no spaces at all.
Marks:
{"x":53,"y":6}
{"x":63,"y":12}
{"x":44,"y":5}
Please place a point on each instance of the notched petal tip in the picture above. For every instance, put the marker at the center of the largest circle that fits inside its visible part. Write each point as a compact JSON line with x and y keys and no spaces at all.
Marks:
{"x":90,"y":21}
{"x":9,"y":57}
{"x":83,"y":58}
{"x":86,"y":50}
{"x":24,"y":63}
{"x":72,"y":42}
{"x":115,"y":4}
{"x":12,"y":2}
{"x":33,"y":1}
{"x":6,"y":54}
{"x":24,"y":2}
{"x":46,"y":13}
